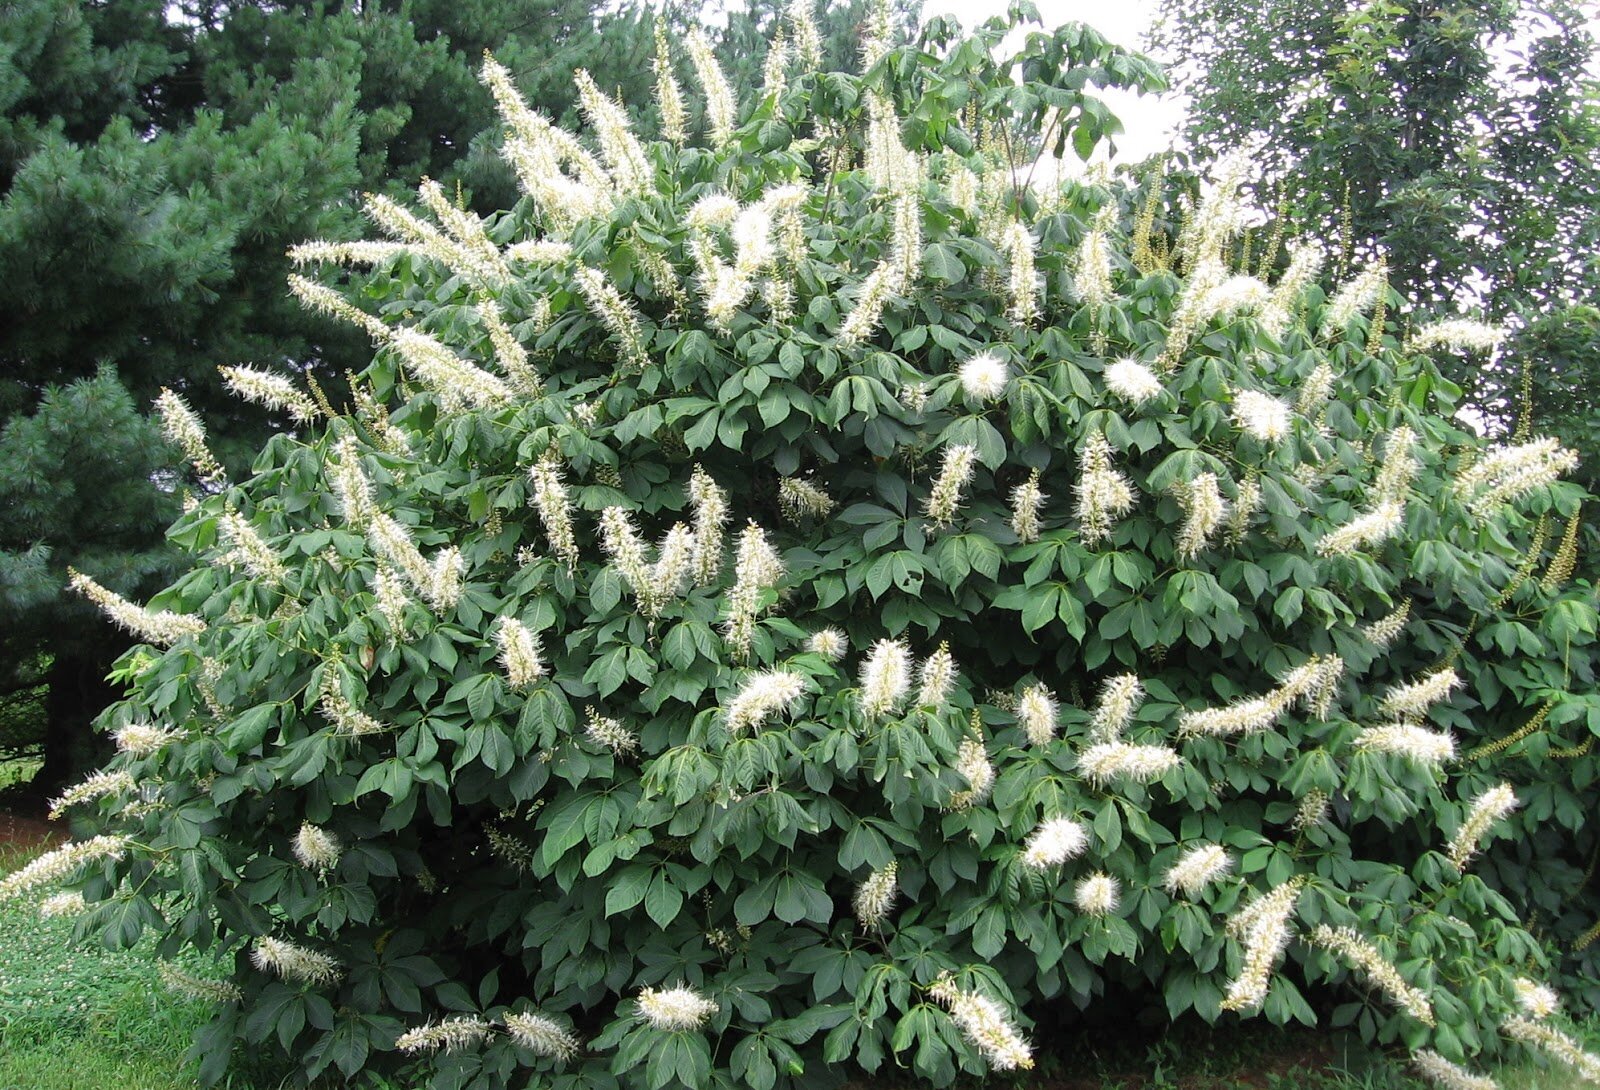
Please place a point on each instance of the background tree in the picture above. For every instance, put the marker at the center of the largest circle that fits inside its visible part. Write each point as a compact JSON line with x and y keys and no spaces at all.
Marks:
{"x":1396,"y":124}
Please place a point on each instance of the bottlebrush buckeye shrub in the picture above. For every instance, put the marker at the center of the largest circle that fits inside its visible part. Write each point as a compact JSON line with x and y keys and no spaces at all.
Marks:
{"x":769,"y":613}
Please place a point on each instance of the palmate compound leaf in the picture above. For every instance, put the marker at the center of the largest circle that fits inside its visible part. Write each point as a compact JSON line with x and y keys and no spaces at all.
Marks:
{"x":722,"y":723}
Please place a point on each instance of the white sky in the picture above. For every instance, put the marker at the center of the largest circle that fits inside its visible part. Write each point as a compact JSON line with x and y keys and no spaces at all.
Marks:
{"x":1149,"y":121}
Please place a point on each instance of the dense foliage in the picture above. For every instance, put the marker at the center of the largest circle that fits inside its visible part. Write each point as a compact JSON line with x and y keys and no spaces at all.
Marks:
{"x":156,"y":161}
{"x":802,"y":598}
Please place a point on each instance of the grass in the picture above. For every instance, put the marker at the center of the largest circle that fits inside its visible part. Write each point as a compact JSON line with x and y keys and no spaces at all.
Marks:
{"x":74,"y":1016}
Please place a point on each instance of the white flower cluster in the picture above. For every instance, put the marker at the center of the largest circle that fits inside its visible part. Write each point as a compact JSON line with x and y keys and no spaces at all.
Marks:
{"x":1196,"y":869}
{"x":1097,"y":894}
{"x":937,"y":678}
{"x":1263,"y":928}
{"x":190,"y":986}
{"x":1104,"y":495}
{"x":653,"y":585}
{"x":1536,"y":1000}
{"x":710,"y":503}
{"x":669,"y":93}
{"x":1458,"y":335}
{"x":61,"y":864}
{"x":1204,"y":510}
{"x":955,"y":474}
{"x":1380,"y":973}
{"x":1266,"y":418}
{"x":1304,"y":264}
{"x":250,"y":550}
{"x":97,"y":786}
{"x":885,"y":679}
{"x":163,"y":628}
{"x":359,"y":253}
{"x":294,"y":962}
{"x":541,"y":1035}
{"x":457,"y":383}
{"x":1132,"y":381}
{"x":1382,"y":632}
{"x":801,"y":501}
{"x":609,"y":733}
{"x":973,"y":765}
{"x":272,"y":390}
{"x":1016,"y":241}
{"x":555,"y":510}
{"x":439,"y":583}
{"x":1054,"y":842}
{"x":1037,"y":714}
{"x":1091,"y":269}
{"x":1026,"y":500}
{"x":183,"y":428}
{"x":519,"y":653}
{"x":1360,"y":293}
{"x":830,"y":643}
{"x":1446,"y":1075}
{"x":756,"y":569}
{"x":316,"y":848}
{"x":984,"y":1025}
{"x":508,"y":350}
{"x":345,"y":716}
{"x":1106,"y":761}
{"x":1487,"y":808}
{"x":1553,"y":1042}
{"x":983,"y":377}
{"x":765,"y":694}
{"x":1312,"y":683}
{"x":143,"y":739}
{"x":618,"y":315}
{"x":624,"y":156}
{"x":447,"y":1035}
{"x":1412,"y":700}
{"x":876,"y":895}
{"x":1120,"y":698}
{"x":1509,"y":473}
{"x":1417,"y":744}
{"x":674,"y":1010}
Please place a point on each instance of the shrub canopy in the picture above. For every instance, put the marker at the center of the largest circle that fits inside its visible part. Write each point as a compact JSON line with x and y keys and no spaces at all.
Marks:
{"x":786,"y":602}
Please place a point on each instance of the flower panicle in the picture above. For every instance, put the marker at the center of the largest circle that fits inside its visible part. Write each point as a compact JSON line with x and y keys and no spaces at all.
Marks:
{"x":61,"y":865}
{"x":182,"y":427}
{"x":453,"y":1034}
{"x":541,"y":1035}
{"x":1196,"y":869}
{"x":955,"y":474}
{"x":1379,"y":971}
{"x":100,"y":785}
{"x":1446,"y":1075}
{"x":984,"y":1025}
{"x":764,"y":695}
{"x":520,"y":653}
{"x":1104,"y":762}
{"x":272,"y":391}
{"x":876,"y":895}
{"x":885,"y":679}
{"x":1489,"y":807}
{"x":292,"y":961}
{"x":1055,"y":841}
{"x":317,"y":849}
{"x":937,"y":677}
{"x":675,"y":1010}
{"x":162,"y":628}
{"x":191,"y":986}
{"x":1026,"y":501}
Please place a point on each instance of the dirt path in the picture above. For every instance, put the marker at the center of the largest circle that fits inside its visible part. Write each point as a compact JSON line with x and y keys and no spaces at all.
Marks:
{"x":27,"y":832}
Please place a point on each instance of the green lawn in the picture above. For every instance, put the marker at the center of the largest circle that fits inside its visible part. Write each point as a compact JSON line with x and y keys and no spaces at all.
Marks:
{"x":74,"y":1016}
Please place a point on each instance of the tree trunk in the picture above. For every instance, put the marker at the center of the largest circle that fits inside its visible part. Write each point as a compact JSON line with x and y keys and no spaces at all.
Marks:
{"x":78,"y":693}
